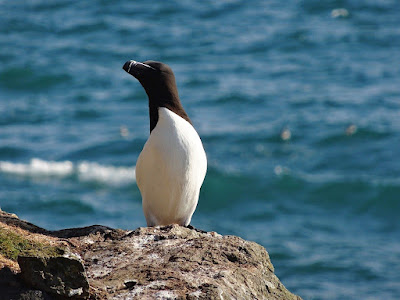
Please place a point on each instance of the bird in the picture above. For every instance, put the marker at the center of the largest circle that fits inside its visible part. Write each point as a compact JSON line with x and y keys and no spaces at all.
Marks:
{"x":171,"y":168}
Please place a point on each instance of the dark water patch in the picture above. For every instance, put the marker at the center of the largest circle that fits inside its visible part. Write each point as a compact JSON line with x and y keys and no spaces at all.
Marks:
{"x":383,"y":40}
{"x":169,"y":10}
{"x":38,"y":6}
{"x":63,"y":206}
{"x":134,"y":93}
{"x":374,"y":7}
{"x":338,"y":194}
{"x":365,"y":274}
{"x":352,"y":135}
{"x":200,"y":81}
{"x":234,"y":98}
{"x":23,"y":116}
{"x":87,"y":27}
{"x":6,"y":58}
{"x":213,"y":10}
{"x":12,"y":152}
{"x":112,"y":147}
{"x":259,"y":47}
{"x":82,"y":97}
{"x":315,"y":7}
{"x":320,"y":268}
{"x":288,"y":184}
{"x":87,"y":114}
{"x":362,"y":197}
{"x":222,"y":189}
{"x":384,"y":202}
{"x":296,"y":40}
{"x":259,"y":216}
{"x":277,"y":255}
{"x":28,"y":79}
{"x":22,"y":25}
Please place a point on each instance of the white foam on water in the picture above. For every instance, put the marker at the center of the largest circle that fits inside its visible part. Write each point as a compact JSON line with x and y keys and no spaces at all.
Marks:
{"x":38,"y":167}
{"x":85,"y":171}
{"x":107,"y":174}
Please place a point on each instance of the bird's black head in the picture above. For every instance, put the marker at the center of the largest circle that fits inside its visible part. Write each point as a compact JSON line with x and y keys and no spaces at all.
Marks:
{"x":158,"y":80}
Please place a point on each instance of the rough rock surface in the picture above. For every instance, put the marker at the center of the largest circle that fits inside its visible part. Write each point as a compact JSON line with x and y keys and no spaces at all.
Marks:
{"x":171,"y":262}
{"x":59,"y":275}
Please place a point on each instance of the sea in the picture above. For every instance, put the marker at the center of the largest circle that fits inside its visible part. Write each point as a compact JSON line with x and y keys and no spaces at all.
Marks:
{"x":297,"y":104}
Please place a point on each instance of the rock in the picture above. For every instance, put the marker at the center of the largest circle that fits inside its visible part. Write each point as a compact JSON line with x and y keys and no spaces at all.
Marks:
{"x":170,"y":262}
{"x":60,"y":275}
{"x":11,"y":288}
{"x":176,"y":262}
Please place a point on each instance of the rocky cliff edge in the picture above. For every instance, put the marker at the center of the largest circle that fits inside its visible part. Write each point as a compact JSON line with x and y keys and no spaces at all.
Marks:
{"x":97,"y":262}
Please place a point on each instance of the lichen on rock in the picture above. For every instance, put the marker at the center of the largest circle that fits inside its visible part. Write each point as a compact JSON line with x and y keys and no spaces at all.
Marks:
{"x":13,"y":244}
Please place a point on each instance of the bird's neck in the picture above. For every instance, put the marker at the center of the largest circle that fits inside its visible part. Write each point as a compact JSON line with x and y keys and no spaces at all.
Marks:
{"x":173,"y":104}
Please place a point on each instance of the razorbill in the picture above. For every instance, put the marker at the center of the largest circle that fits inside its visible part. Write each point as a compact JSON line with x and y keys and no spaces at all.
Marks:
{"x":172,"y":165}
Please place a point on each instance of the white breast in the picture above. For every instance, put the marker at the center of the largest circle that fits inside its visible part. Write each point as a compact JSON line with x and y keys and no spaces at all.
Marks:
{"x":170,"y":171}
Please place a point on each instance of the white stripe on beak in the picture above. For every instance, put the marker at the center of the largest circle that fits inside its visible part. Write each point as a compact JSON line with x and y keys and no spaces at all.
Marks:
{"x":134,"y":63}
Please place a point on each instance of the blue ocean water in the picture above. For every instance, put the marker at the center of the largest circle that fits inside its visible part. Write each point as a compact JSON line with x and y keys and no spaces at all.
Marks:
{"x":297,"y":104}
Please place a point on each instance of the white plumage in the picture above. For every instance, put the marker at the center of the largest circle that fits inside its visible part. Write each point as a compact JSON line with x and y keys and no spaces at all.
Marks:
{"x":170,"y":171}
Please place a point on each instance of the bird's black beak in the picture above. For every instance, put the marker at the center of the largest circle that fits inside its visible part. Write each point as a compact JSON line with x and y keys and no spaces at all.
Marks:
{"x":136,"y":68}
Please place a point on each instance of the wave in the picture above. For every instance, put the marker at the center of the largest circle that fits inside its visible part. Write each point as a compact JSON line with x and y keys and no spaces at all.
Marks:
{"x":83,"y":171}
